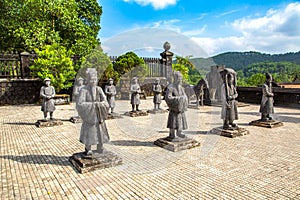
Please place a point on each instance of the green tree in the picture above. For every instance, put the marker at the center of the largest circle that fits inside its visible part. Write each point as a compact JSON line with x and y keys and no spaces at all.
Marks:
{"x":54,"y":62}
{"x":31,"y":24}
{"x":130,"y":65}
{"x":256,"y":80}
{"x":186,"y":68}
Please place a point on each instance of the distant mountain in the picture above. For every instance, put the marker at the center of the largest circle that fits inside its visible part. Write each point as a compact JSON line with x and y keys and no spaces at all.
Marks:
{"x":239,"y":60}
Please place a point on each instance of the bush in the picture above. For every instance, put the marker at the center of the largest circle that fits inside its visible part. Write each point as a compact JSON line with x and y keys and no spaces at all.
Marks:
{"x":55,"y":62}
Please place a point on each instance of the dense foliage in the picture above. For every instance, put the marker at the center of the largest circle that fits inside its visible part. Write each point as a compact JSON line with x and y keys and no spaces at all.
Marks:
{"x":187,"y":68}
{"x":27,"y":25}
{"x":55,"y":63}
{"x":254,"y":74}
{"x":130,"y":65}
{"x":240,"y":60}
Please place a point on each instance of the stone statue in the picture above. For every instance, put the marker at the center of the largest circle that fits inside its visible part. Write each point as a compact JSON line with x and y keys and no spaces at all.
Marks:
{"x":135,"y":94}
{"x":177,"y":101}
{"x":266,"y":107}
{"x":157,"y":94}
{"x":77,"y":88}
{"x":229,"y":108}
{"x":110,"y":91}
{"x":93,"y":109}
{"x":214,"y":81}
{"x":47,"y":92}
{"x":199,"y":91}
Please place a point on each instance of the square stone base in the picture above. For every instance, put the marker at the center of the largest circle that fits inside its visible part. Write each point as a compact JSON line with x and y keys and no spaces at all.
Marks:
{"x":76,"y":119}
{"x":136,"y":113}
{"x":97,"y":161}
{"x":266,"y":124}
{"x":176,"y":144}
{"x":48,"y":123}
{"x":114,"y":116}
{"x":157,"y":111}
{"x":232,"y":133}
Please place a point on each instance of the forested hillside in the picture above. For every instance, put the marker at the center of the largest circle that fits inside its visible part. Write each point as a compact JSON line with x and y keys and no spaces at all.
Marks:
{"x":252,"y":66}
{"x":240,"y":60}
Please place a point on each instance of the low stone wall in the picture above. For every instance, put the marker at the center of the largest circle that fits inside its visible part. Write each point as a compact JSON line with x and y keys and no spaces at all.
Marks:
{"x":282,"y":96}
{"x":19,"y":91}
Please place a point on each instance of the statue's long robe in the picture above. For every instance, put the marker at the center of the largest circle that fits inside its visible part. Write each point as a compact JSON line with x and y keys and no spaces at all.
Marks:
{"x":93,"y":110}
{"x":267,"y":100}
{"x":157,"y":93}
{"x":111,"y":92}
{"x":135,"y":94}
{"x":231,"y":113}
{"x":177,"y":101}
{"x":47,"y":104}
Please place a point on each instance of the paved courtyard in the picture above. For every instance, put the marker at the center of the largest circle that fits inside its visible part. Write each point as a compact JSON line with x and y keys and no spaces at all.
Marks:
{"x":262,"y":165}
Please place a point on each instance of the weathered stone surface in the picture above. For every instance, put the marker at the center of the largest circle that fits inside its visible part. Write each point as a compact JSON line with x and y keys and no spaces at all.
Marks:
{"x":136,"y":113}
{"x":48,"y":123}
{"x":114,"y":116}
{"x":97,"y":161}
{"x":232,"y":133}
{"x":266,"y":124}
{"x":61,"y":99}
{"x":75,"y":119}
{"x":153,"y":111}
{"x":176,"y":144}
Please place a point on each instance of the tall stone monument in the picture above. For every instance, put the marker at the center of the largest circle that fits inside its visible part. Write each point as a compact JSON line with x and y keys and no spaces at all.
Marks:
{"x":166,"y":61}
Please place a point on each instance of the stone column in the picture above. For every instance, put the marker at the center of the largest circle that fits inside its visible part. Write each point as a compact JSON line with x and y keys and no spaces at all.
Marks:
{"x":25,"y":62}
{"x":166,"y":61}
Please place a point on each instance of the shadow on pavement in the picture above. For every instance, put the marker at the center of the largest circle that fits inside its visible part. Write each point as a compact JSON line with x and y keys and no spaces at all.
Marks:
{"x":39,"y":159}
{"x":131,"y":143}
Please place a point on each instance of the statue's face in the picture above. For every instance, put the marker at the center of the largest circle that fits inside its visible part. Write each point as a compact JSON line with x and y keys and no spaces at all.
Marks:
{"x":135,"y":81}
{"x":111,"y":82}
{"x":93,"y":81}
{"x":47,"y":83}
{"x":80,"y":82}
{"x":157,"y":81}
{"x":178,"y":80}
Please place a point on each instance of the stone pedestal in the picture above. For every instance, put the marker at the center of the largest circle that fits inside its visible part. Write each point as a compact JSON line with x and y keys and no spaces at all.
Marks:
{"x":97,"y":161}
{"x":232,"y":132}
{"x":176,"y":144}
{"x":76,"y":119}
{"x":266,"y":124}
{"x":48,"y":123}
{"x":136,"y":113}
{"x":114,"y":116}
{"x":153,"y":111}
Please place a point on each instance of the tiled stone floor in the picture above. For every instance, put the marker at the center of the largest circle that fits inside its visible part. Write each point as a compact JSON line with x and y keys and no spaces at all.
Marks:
{"x":262,"y":165}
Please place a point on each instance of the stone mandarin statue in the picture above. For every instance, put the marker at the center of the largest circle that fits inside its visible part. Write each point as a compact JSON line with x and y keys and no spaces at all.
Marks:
{"x":47,"y":92}
{"x":93,"y":108}
{"x":229,"y":108}
{"x":110,"y":91}
{"x":157,"y":94}
{"x":177,"y":102}
{"x":135,"y":90}
{"x":78,"y":86}
{"x":266,"y":107}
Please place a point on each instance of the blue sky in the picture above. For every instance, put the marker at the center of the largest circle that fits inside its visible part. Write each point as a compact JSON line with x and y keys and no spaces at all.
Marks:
{"x":269,"y":26}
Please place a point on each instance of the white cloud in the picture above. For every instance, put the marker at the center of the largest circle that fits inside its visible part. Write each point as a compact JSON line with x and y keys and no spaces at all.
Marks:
{"x":195,"y":31}
{"x":276,"y":32}
{"x":156,"y":4}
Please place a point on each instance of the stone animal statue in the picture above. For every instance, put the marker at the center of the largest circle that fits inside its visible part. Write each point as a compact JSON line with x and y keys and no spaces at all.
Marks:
{"x":199,"y":90}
